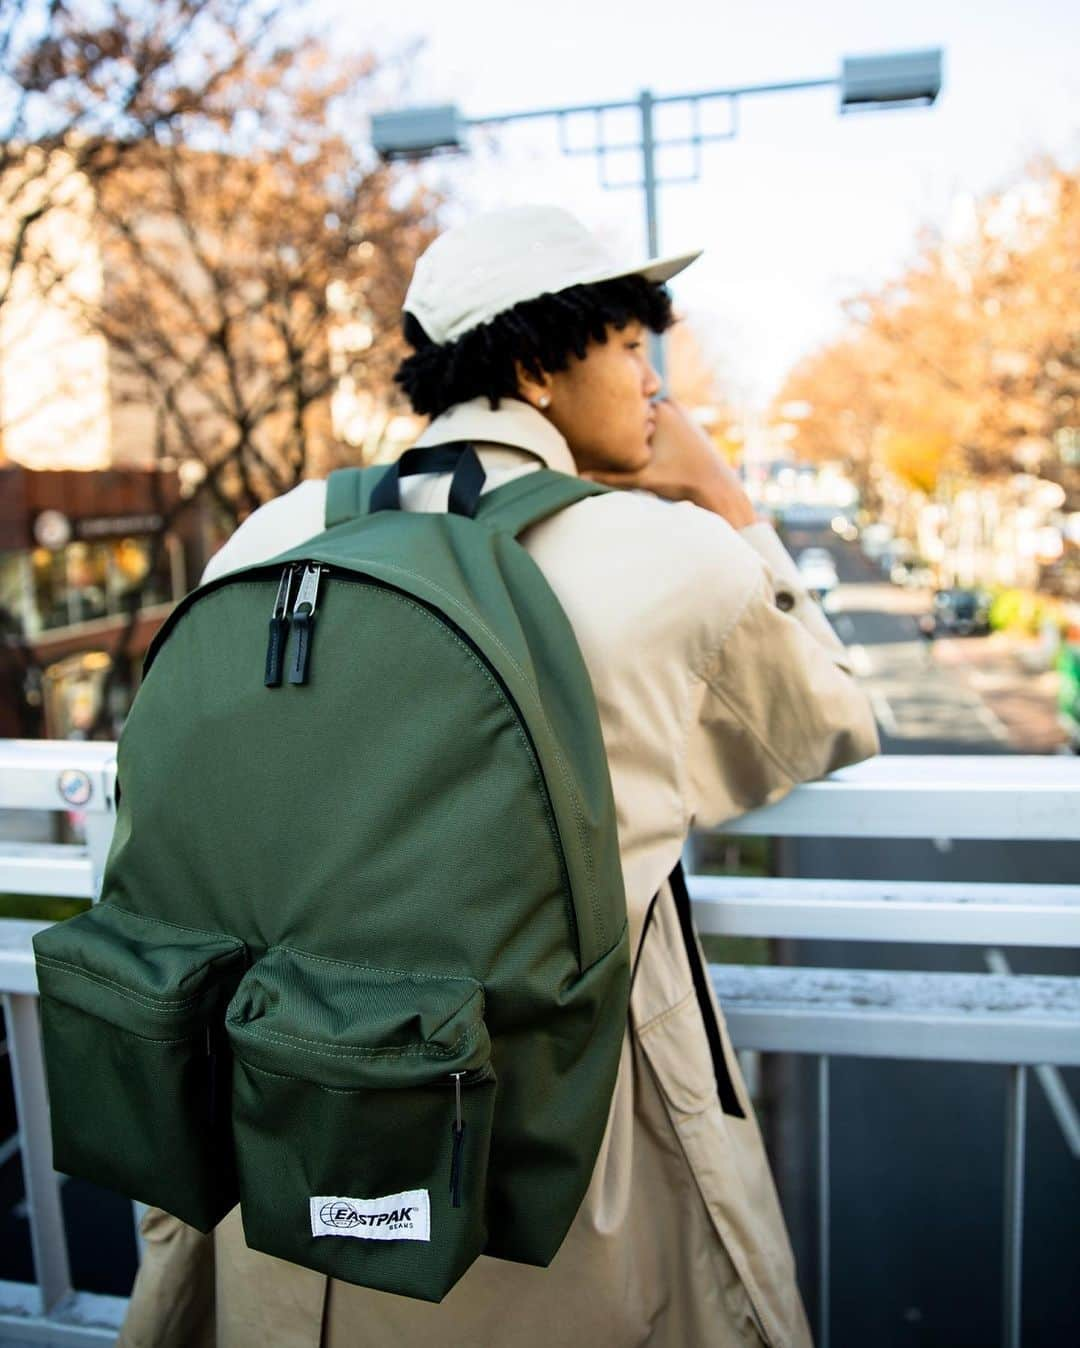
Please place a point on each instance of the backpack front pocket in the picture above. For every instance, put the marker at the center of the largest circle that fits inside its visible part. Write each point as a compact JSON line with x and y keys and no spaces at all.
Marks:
{"x":131,"y":1017}
{"x":363,"y":1101}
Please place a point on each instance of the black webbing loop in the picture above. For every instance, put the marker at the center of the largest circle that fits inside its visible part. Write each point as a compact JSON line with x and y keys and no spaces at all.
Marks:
{"x":729,"y":1101}
{"x":725,"y":1087}
{"x":465,"y":485}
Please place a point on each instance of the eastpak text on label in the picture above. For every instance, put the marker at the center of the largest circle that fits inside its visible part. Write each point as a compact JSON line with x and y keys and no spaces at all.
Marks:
{"x":404,"y":1216}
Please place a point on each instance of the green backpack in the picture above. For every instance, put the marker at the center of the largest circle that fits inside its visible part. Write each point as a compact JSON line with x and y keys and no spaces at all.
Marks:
{"x":360,"y":961}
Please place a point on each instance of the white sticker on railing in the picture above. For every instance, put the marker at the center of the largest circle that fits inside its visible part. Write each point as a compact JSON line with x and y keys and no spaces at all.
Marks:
{"x":404,"y":1216}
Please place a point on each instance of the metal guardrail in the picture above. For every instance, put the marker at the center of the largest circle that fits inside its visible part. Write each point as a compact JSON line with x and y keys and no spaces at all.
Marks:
{"x":47,"y":775}
{"x":1017,"y":1021}
{"x":1023,"y":1022}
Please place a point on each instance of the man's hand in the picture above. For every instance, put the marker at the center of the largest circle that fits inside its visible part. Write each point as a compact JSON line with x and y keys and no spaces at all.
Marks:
{"x":684,"y":466}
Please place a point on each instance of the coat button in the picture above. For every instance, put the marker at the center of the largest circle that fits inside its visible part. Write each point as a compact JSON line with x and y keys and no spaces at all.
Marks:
{"x":785,"y":600}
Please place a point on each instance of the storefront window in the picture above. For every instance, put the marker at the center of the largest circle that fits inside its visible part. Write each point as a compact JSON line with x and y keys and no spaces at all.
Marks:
{"x":84,"y":581}
{"x":74,"y":688}
{"x":13,"y":587}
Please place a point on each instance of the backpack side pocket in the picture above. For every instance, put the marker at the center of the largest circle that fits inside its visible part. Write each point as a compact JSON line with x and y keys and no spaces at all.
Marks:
{"x":131,"y":1018}
{"x":363,"y":1101}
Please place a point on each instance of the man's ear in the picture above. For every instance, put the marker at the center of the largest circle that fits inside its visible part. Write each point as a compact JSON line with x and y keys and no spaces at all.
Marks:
{"x":536,"y":391}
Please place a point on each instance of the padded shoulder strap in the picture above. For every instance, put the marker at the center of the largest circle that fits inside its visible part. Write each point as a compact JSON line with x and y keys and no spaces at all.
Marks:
{"x":348,"y":492}
{"x":532,"y":497}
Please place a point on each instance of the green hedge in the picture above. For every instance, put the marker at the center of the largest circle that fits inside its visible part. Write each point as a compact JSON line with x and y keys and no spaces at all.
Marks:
{"x":40,"y":908}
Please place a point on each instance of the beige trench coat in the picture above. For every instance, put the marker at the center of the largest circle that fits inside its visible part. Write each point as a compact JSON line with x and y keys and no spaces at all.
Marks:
{"x":720,"y":685}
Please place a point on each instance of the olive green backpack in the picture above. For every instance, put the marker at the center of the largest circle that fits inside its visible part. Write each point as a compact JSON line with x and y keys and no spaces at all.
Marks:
{"x":360,"y":960}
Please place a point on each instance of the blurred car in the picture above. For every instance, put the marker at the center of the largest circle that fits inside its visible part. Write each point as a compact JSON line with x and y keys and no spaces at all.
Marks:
{"x":957,"y":612}
{"x":874,"y":539}
{"x":895,"y":553}
{"x":912,"y":573}
{"x":817,"y":570}
{"x":845,"y":527}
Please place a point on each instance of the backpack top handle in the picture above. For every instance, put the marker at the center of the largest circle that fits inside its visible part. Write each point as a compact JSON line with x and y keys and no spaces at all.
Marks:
{"x":459,"y":456}
{"x":509,"y":508}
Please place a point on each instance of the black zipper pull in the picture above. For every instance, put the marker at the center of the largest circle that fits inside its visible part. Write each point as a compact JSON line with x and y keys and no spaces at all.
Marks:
{"x":279,"y":632}
{"x":458,"y":1131}
{"x":303,"y":617}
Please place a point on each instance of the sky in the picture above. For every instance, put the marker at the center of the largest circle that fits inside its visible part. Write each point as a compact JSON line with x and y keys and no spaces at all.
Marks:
{"x":803,"y":207}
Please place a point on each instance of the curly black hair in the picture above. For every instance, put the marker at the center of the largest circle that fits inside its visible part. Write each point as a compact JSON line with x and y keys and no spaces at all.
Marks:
{"x":541,"y":333}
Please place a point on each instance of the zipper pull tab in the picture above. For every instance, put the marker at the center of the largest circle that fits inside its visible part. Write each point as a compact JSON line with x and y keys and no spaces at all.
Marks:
{"x":279,"y":632}
{"x":303,"y":617}
{"x":459,"y":1138}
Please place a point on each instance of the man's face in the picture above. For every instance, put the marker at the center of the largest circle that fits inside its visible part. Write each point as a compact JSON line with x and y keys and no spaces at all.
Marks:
{"x":601,"y":404}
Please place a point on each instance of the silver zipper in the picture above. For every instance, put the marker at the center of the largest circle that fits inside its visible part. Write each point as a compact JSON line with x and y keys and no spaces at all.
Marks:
{"x":307,"y":593}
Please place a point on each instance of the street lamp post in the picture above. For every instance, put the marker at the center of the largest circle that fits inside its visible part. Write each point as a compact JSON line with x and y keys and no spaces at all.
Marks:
{"x":907,"y":79}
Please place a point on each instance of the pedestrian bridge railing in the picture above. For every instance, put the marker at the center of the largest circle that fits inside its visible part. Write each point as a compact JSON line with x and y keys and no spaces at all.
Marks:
{"x":1028,"y":1023}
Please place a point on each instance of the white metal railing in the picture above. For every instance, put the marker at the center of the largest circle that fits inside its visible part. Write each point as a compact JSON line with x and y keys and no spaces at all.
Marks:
{"x":1020,"y":1021}
{"x":35,"y":776}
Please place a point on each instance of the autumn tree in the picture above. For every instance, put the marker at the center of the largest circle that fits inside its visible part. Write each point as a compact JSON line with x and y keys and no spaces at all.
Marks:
{"x":253,"y":256}
{"x":83,"y":83}
{"x":831,"y":401}
{"x":968,"y":363}
{"x":696,"y":381}
{"x":255,"y":266}
{"x":1025,"y":280}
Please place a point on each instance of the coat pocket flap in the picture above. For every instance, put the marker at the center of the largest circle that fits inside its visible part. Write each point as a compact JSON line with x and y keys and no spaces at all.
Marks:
{"x":677,"y":1048}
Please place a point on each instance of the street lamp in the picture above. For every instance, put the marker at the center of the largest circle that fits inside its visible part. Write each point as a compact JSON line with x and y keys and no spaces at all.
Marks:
{"x":899,"y":79}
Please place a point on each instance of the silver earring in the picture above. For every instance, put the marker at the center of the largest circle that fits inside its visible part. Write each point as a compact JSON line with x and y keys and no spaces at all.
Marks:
{"x":545,"y":400}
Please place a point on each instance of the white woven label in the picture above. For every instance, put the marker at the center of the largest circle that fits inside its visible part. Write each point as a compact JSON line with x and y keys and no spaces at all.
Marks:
{"x":404,"y":1216}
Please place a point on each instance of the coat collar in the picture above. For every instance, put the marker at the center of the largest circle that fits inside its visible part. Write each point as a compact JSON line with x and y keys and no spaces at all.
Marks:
{"x":516,"y":425}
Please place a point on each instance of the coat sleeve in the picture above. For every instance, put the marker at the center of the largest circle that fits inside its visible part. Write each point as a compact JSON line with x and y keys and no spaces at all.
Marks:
{"x":775,"y":703}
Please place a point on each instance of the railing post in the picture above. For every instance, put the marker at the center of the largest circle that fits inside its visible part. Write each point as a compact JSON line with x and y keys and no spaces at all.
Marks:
{"x":824,"y":1315}
{"x":47,"y":1237}
{"x":99,"y":831}
{"x":1012,"y":1280}
{"x":99,"y":825}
